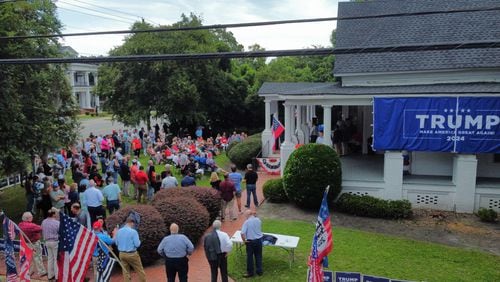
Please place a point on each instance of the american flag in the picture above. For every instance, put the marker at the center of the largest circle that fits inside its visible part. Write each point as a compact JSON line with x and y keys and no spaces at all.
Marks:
{"x":25,"y":255}
{"x":76,"y":246}
{"x":322,"y":243}
{"x":9,"y":232}
{"x":277,"y":130}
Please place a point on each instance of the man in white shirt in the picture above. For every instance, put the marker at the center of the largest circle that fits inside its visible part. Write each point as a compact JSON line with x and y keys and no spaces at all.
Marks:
{"x":169,"y":181}
{"x":93,"y":200}
{"x":217,"y":247}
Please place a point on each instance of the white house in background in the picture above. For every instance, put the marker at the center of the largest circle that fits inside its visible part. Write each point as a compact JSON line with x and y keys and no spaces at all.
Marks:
{"x":458,"y":181}
{"x":82,"y":78}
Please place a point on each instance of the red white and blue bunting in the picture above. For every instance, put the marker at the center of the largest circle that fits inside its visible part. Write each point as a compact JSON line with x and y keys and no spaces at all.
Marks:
{"x":270,"y":165}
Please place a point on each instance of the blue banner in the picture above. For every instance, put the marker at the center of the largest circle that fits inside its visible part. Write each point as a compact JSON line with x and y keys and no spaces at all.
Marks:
{"x":368,"y":278}
{"x":347,"y":276}
{"x":441,"y":124}
{"x":327,"y":276}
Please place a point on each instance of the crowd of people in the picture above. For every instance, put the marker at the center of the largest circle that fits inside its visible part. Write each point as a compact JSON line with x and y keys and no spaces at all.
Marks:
{"x":83,"y":179}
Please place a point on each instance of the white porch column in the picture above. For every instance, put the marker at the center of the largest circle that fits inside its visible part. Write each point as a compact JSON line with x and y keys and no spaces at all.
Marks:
{"x":267,"y":134}
{"x":464,"y":178}
{"x":393,"y":175}
{"x":72,"y":78}
{"x":327,"y":123}
{"x":87,"y":99}
{"x":287,"y":146}
{"x":300,"y":132}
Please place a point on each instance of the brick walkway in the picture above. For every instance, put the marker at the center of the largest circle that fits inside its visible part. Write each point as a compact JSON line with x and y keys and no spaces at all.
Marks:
{"x":199,"y":269}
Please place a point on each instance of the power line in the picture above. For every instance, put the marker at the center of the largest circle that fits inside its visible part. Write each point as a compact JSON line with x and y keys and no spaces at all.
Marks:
{"x":76,"y":11}
{"x":257,"y":54}
{"x":94,"y":10}
{"x":114,"y":10}
{"x":248,"y":24}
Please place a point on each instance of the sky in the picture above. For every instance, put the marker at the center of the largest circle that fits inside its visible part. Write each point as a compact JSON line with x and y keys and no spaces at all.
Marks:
{"x":97,"y":15}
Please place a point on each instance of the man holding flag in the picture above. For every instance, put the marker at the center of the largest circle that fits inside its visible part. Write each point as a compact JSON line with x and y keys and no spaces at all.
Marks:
{"x":322,"y":243}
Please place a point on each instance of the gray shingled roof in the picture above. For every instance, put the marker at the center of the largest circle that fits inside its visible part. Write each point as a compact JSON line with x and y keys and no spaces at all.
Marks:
{"x":422,"y":29}
{"x":312,"y":88}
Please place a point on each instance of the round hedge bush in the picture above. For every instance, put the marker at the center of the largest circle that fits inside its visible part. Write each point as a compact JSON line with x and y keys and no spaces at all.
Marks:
{"x":191,"y":216}
{"x":207,"y":196}
{"x":274,"y":191}
{"x":308,"y":171}
{"x":231,"y":146}
{"x":242,"y":153}
{"x":152,"y":229}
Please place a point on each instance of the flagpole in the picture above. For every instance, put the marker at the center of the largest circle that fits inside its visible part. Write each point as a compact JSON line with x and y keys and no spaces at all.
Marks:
{"x":110,"y":251}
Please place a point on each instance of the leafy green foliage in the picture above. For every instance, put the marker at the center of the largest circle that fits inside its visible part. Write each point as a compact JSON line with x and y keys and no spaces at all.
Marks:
{"x":191,"y":216}
{"x":487,"y":215}
{"x":151,"y":230}
{"x":37,"y":110}
{"x":274,"y":191}
{"x":373,"y":207}
{"x":308,"y":171}
{"x":207,"y":196}
{"x":242,"y":153}
{"x":189,"y":93}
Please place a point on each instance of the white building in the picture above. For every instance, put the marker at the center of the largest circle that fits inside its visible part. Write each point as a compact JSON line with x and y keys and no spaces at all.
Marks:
{"x":439,"y":180}
{"x":82,"y":78}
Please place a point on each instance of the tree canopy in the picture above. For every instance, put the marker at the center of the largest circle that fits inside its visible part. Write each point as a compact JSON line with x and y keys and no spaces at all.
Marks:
{"x":37,"y":111}
{"x":221,"y":93}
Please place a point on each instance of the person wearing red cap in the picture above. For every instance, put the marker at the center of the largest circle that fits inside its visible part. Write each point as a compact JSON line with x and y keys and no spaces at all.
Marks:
{"x":104,"y":242}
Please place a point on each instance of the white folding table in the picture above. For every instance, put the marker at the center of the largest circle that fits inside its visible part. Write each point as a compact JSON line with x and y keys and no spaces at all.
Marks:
{"x":287,"y":243}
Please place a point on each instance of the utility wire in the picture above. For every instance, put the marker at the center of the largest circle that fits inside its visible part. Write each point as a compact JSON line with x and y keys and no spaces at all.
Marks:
{"x":76,"y":11}
{"x":257,"y":54}
{"x":116,"y":11}
{"x":248,"y":24}
{"x":94,"y":10}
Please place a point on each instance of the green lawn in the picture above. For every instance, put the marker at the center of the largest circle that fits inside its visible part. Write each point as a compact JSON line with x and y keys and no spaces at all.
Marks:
{"x":370,"y":253}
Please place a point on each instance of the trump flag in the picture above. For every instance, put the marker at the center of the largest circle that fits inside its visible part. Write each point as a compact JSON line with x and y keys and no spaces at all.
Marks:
{"x":322,"y":243}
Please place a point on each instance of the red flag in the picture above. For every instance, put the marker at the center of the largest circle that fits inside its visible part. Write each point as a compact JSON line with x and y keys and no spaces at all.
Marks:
{"x":25,"y":256}
{"x":76,"y":246}
{"x":277,"y":130}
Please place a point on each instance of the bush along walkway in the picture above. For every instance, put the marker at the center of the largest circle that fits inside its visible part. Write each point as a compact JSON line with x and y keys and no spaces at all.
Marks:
{"x":199,"y":269}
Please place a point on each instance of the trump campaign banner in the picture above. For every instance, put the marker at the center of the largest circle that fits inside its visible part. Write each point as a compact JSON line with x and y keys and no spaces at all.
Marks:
{"x":440,"y":124}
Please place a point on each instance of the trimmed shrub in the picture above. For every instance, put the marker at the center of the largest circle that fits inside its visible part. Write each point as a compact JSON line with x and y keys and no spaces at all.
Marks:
{"x":308,"y":171}
{"x":369,"y":206}
{"x":191,"y":216}
{"x":231,"y":146}
{"x":207,"y":196}
{"x":274,"y":191}
{"x":152,"y":229}
{"x":487,"y":215}
{"x":243,"y":153}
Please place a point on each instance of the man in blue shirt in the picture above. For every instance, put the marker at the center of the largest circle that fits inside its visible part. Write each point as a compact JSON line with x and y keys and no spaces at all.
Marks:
{"x":175,"y":248}
{"x":93,"y":200}
{"x":251,"y":234}
{"x":127,"y":241}
{"x":188,"y":180}
{"x":236,"y":178}
{"x":112,"y":193}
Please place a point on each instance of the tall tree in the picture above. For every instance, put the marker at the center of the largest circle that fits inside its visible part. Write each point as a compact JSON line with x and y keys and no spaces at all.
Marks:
{"x":188,"y":93}
{"x":37,"y":110}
